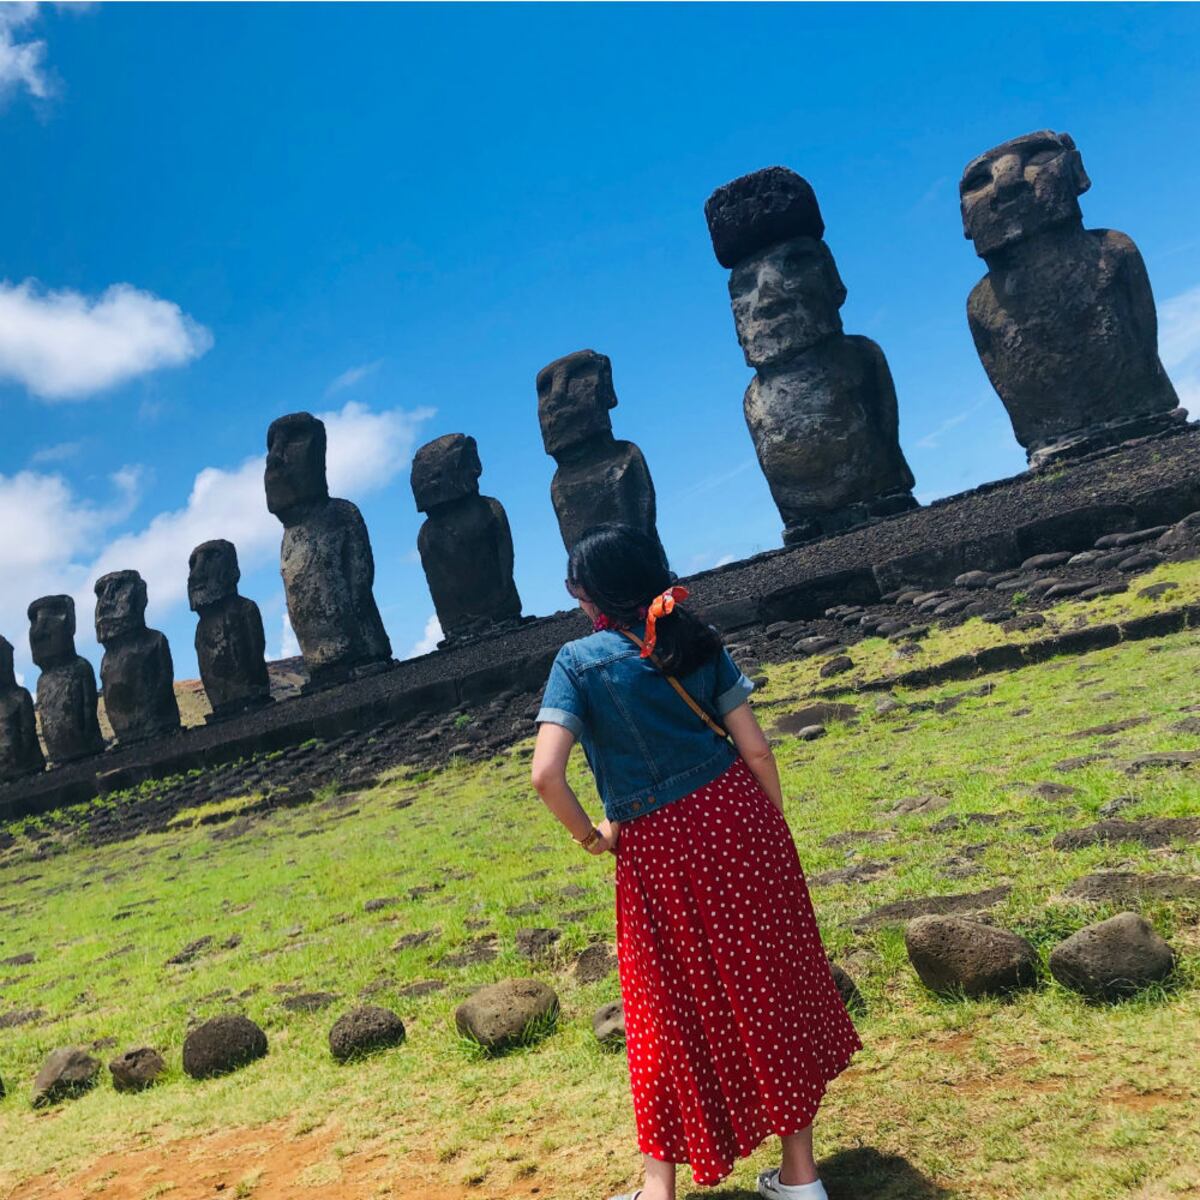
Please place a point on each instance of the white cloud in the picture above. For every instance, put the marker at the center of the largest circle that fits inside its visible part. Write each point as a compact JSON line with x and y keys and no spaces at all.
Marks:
{"x":59,"y":452}
{"x":48,"y":535}
{"x":1179,"y":346}
{"x":66,"y":346}
{"x":355,"y":375}
{"x":289,"y":647}
{"x":21,"y":63}
{"x":933,"y":439}
{"x":429,"y":639}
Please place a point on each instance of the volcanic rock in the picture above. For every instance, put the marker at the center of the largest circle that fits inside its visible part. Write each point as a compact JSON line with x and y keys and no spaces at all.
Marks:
{"x":1112,"y":958}
{"x":501,"y":1015}
{"x":363,"y":1031}
{"x":951,"y":954}
{"x":222,"y":1044}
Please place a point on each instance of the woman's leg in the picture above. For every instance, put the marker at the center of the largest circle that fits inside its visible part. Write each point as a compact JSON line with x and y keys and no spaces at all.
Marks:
{"x":798,"y":1166}
{"x":660,"y":1180}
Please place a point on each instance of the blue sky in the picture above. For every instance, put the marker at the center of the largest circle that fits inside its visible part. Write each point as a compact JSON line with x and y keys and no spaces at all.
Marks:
{"x":396,"y":215}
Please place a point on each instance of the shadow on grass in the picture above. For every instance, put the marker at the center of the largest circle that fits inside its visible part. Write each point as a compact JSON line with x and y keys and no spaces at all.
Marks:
{"x":863,"y":1173}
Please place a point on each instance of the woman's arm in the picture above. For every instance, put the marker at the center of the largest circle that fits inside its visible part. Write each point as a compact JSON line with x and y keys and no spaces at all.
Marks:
{"x":753,"y":746}
{"x":549,"y":775}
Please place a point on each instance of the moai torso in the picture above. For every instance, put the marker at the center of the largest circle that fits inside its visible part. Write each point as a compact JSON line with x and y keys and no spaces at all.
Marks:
{"x":1064,"y":321}
{"x":66,"y":688}
{"x":821,"y":408}
{"x":599,"y":479}
{"x":136,"y":672}
{"x":230,"y":643}
{"x":465,"y":544}
{"x":325,"y":558}
{"x":20,"y":750}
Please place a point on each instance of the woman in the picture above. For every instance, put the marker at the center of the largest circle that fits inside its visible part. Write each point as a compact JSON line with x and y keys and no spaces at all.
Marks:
{"x":734,"y":1024}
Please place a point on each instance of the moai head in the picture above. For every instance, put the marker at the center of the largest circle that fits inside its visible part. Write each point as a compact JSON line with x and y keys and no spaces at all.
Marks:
{"x":784,"y":287}
{"x":295,"y":474}
{"x":785,"y":299}
{"x":52,"y":631}
{"x":448,"y":468}
{"x":575,"y":393}
{"x":120,"y":605}
{"x":8,"y":674}
{"x":1020,"y":188}
{"x":213,"y":573}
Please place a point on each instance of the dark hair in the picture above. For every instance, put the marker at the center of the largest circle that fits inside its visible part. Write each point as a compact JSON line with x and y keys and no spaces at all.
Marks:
{"x":621,"y":569}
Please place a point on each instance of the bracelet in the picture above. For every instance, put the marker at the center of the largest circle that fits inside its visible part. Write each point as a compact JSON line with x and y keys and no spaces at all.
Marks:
{"x":592,"y":838}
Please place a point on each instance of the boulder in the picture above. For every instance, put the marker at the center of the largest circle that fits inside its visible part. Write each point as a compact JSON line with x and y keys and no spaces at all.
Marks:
{"x":363,"y":1031}
{"x":67,"y":1072}
{"x":836,"y":666}
{"x":221,"y":1045}
{"x":851,"y":996}
{"x":608,"y":1024}
{"x":501,"y":1015}
{"x":951,"y":954}
{"x":1112,"y":958}
{"x":136,"y":1069}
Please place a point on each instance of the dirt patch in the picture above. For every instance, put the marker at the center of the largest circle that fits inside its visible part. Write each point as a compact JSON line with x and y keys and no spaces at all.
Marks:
{"x":266,"y":1162}
{"x":1134,"y":1101}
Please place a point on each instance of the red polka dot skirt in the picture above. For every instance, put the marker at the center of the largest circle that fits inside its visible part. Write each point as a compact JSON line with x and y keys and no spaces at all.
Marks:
{"x":734,"y":1025}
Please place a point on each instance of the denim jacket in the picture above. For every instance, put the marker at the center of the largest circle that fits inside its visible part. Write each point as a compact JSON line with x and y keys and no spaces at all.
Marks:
{"x":643,"y":743}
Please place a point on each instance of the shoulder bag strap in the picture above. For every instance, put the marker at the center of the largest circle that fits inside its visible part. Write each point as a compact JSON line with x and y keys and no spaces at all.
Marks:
{"x":719,"y":730}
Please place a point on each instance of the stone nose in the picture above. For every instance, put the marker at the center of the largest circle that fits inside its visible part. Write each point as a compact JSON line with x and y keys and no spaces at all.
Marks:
{"x":1007,"y":176}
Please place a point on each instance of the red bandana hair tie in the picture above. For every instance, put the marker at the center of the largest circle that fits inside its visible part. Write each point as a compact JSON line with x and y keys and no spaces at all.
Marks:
{"x":660,"y":606}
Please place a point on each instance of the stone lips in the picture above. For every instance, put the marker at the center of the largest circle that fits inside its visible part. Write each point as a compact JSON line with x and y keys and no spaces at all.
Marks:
{"x":757,"y":210}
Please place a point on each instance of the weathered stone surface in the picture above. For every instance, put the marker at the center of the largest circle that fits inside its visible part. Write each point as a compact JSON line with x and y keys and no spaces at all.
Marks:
{"x":951,"y":954}
{"x":136,"y":672}
{"x":608,"y":1023}
{"x":820,"y":713}
{"x":230,"y":642}
{"x":221,"y":1045}
{"x":1122,"y":887}
{"x":758,"y":210}
{"x":1112,"y":958}
{"x":66,"y":1073}
{"x":465,"y":544}
{"x":325,"y":559}
{"x":363,"y":1031}
{"x":20,"y":750}
{"x":498,"y":1016}
{"x":821,"y":408}
{"x":959,"y":904}
{"x":66,"y":688}
{"x":1064,"y":320}
{"x":599,"y":479}
{"x":848,"y":989}
{"x":136,"y":1069}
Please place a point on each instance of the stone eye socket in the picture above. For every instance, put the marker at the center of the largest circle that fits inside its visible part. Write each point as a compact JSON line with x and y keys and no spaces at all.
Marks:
{"x":978,"y":179}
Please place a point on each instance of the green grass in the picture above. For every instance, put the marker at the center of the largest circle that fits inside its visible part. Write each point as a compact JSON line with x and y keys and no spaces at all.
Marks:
{"x":1041,"y":1095}
{"x":876,"y":657}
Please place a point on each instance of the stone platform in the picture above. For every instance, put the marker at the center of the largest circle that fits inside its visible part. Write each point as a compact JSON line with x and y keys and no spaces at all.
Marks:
{"x":991,"y":528}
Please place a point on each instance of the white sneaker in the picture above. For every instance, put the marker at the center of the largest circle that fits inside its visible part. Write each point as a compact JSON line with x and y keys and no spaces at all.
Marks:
{"x":770,"y":1187}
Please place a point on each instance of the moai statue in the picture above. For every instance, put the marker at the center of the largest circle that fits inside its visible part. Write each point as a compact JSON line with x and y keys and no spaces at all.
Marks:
{"x":466,"y":546}
{"x":326,"y":562}
{"x":1064,"y":320}
{"x":599,"y":479}
{"x":821,"y":407}
{"x":136,"y":672}
{"x":66,"y":690}
{"x":20,"y":750}
{"x":230,"y":643}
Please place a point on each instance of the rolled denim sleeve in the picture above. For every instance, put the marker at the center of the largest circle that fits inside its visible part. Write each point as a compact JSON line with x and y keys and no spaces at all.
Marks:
{"x":563,"y":702}
{"x":733,"y":688}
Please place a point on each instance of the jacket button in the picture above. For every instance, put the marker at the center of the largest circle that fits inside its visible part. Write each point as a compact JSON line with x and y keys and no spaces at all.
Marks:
{"x":637,"y":806}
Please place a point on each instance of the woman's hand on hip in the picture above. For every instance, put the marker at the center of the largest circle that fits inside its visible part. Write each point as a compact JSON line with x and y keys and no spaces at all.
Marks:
{"x":610,"y":832}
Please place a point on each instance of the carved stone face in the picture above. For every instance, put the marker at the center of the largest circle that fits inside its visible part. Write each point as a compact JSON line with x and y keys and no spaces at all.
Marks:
{"x":575,"y":394}
{"x":448,"y":468}
{"x":213,"y":573}
{"x":52,"y":630}
{"x":120,"y":605}
{"x":1020,"y":188}
{"x":785,"y":300}
{"x":8,"y":676}
{"x":295,"y":473}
